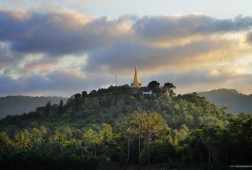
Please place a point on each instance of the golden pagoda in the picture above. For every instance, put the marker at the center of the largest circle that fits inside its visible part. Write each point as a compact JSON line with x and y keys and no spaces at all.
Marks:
{"x":136,"y":82}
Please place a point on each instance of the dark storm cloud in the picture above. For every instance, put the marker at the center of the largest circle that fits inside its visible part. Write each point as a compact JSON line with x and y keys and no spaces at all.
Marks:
{"x":173,"y":27}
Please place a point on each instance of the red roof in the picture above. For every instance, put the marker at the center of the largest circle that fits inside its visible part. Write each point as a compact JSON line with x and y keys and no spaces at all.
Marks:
{"x":146,"y":88}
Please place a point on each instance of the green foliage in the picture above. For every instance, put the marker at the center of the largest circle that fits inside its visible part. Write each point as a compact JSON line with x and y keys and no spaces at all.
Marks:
{"x":169,"y":87}
{"x":154,"y":85}
{"x":160,"y":152}
{"x":114,"y":125}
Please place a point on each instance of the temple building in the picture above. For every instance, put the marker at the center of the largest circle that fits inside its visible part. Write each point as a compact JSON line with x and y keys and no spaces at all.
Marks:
{"x":136,"y":83}
{"x":137,"y":88}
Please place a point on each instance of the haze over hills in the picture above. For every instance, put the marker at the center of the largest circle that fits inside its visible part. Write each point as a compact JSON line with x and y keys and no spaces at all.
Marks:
{"x":236,"y":102}
{"x":16,"y":105}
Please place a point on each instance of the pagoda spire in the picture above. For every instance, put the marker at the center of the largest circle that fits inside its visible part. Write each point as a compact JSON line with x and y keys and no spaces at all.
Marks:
{"x":136,"y":82}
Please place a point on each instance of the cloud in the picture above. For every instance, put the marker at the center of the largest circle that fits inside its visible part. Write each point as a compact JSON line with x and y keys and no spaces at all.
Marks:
{"x":54,"y":82}
{"x":17,"y":1}
{"x":175,"y":27}
{"x":153,"y":60}
{"x":84,"y":2}
{"x":6,"y":55}
{"x":57,"y":32}
{"x":61,"y":83}
{"x":201,"y":80}
{"x":249,"y":37}
{"x":61,"y":52}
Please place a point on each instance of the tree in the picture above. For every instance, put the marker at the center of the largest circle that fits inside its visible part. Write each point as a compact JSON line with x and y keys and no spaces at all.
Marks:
{"x":156,"y":126}
{"x":105,"y":133}
{"x":197,"y":146}
{"x":58,"y":138}
{"x":91,"y":137}
{"x":5,"y":143}
{"x":160,"y":151}
{"x":145,"y":126}
{"x":38,"y":137}
{"x":169,"y":87}
{"x":48,"y":107}
{"x":154,"y":85}
{"x":77,"y":101}
{"x":93,"y":93}
{"x":137,"y":122}
{"x":129,"y":132}
{"x":61,"y":109}
{"x":105,"y":138}
{"x":84,"y":94}
{"x":22,"y":139}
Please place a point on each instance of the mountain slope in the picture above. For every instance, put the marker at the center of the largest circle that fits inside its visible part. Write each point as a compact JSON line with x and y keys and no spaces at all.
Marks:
{"x":114,"y":128}
{"x":236,"y":102}
{"x":12,"y":105}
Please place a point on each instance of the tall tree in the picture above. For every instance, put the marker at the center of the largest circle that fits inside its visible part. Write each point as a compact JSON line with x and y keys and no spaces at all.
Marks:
{"x":137,"y":121}
{"x":22,"y":139}
{"x":77,"y":101}
{"x":5,"y":143}
{"x":61,"y":109}
{"x":169,"y":87}
{"x":91,"y":137}
{"x":48,"y":108}
{"x":84,"y":94}
{"x":156,"y":126}
{"x":154,"y":85}
{"x":128,"y":131}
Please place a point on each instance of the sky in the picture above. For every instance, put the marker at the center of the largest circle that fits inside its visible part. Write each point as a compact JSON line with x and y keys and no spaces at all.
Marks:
{"x":62,"y":47}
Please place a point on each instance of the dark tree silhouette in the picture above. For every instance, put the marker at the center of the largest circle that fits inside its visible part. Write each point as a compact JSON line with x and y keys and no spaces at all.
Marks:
{"x":154,"y":85}
{"x":169,"y":87}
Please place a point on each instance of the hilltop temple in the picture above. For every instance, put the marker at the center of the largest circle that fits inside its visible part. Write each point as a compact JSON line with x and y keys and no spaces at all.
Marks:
{"x":137,"y":88}
{"x":136,"y":83}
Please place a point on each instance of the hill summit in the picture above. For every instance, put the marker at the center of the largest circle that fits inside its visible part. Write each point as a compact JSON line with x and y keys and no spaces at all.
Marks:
{"x":229,"y":99}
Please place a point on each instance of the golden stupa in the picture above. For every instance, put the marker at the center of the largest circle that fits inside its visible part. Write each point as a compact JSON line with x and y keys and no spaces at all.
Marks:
{"x":136,"y":82}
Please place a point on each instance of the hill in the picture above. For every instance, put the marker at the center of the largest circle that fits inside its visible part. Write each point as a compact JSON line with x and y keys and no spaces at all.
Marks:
{"x":114,"y":128}
{"x":234,"y":101}
{"x":16,"y":105}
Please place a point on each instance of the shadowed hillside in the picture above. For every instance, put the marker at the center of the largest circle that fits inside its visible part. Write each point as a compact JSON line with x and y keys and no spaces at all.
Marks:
{"x":16,"y":105}
{"x":231,"y":100}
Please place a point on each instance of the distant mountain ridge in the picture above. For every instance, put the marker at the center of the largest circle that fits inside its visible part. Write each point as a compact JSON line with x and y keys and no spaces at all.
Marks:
{"x":235,"y":101}
{"x":16,"y":105}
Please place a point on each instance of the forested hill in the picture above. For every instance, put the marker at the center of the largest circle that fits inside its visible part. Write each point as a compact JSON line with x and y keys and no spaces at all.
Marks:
{"x":231,"y":100}
{"x":115,"y":129}
{"x":16,"y":105}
